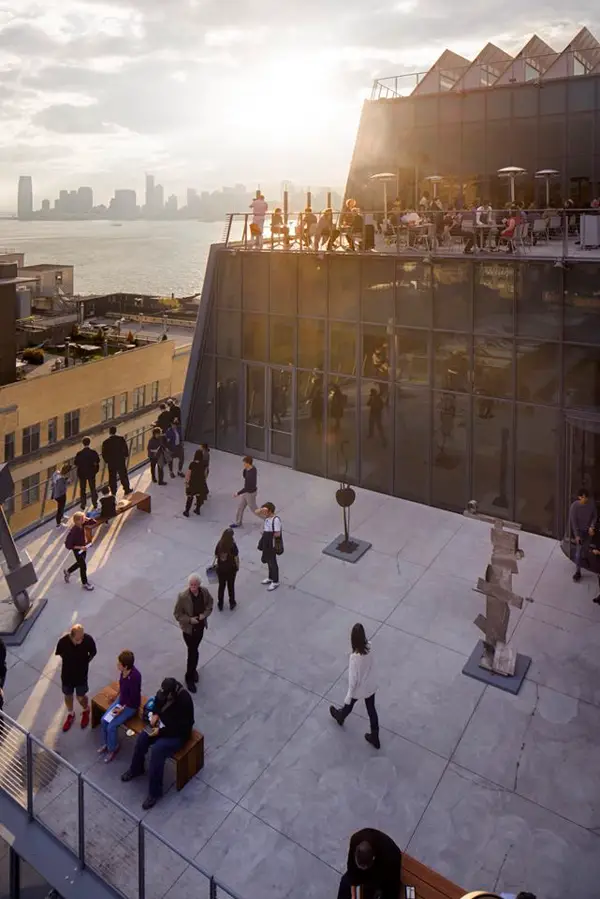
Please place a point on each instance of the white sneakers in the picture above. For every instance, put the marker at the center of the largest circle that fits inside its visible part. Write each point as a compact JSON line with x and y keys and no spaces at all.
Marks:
{"x":88,"y":586}
{"x":273,"y":586}
{"x":266,"y":581}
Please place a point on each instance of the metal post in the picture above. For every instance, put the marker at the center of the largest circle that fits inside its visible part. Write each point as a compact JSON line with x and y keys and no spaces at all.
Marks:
{"x":229,"y":224}
{"x":80,"y":820}
{"x":212,"y":888}
{"x":328,"y":203}
{"x":29,"y":775}
{"x":141,"y":862}
{"x":565,"y":234}
{"x":14,"y":873}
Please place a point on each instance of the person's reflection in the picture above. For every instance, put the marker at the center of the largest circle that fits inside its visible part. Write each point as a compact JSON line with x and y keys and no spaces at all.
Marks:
{"x":447,"y":413}
{"x":231,"y":391}
{"x":315,"y":400}
{"x":381,"y":368}
{"x":276,"y":409}
{"x":222,"y":407}
{"x":376,"y":405}
{"x":337,"y":405}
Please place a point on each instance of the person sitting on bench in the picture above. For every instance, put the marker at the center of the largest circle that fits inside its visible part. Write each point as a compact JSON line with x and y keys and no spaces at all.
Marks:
{"x":125,"y":706}
{"x":374,"y":863}
{"x":170,"y":728}
{"x":108,"y":505}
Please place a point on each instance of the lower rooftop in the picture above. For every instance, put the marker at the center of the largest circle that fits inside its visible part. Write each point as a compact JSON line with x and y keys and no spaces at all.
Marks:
{"x":493,"y":791}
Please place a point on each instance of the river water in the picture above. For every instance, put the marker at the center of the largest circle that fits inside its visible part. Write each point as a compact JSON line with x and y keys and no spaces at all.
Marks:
{"x":135,"y":257}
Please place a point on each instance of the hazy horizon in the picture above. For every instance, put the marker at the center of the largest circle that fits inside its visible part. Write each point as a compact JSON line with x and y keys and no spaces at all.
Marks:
{"x":205,"y":94}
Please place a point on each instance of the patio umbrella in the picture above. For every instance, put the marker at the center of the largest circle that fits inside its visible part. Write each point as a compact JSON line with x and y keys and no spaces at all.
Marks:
{"x":384,"y":178}
{"x":435,"y":180}
{"x":511,"y":172}
{"x":547,"y":174}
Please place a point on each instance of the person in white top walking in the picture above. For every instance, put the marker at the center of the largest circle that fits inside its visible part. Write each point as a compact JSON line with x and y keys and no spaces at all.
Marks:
{"x":361,"y":684}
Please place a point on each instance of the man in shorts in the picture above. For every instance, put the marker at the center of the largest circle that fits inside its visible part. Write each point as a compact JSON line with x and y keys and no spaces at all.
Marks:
{"x":76,"y":649}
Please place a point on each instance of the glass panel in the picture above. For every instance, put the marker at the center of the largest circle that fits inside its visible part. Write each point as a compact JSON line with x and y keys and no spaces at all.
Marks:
{"x":281,"y":399}
{"x":210,"y":331}
{"x":473,"y":109}
{"x":229,"y":281}
{"x":450,"y":450}
{"x":494,"y":298}
{"x":255,"y":337}
{"x":311,"y":343}
{"x":310,"y":412}
{"x":312,"y":285}
{"x":539,"y":300}
{"x":493,"y":457}
{"x":538,"y":372}
{"x":525,"y":102}
{"x":582,"y":303}
{"x":341,"y":429}
{"x":376,"y":436}
{"x":493,"y":367}
{"x":255,"y":282}
{"x":581,"y":94}
{"x":202,"y":418}
{"x":377,"y":288}
{"x":344,"y":286}
{"x":342,"y":348}
{"x":412,"y":443}
{"x":255,"y":407}
{"x":452,"y":363}
{"x":282,"y":345}
{"x":413,"y":294}
{"x":552,"y":133}
{"x":580,"y":139}
{"x":553,"y":98}
{"x":498,"y":105}
{"x":284,"y":283}
{"x":452,"y":296}
{"x":228,"y":404}
{"x":582,"y":376}
{"x":412,"y":356}
{"x":375,"y":357}
{"x":537,"y":452}
{"x":229,"y":333}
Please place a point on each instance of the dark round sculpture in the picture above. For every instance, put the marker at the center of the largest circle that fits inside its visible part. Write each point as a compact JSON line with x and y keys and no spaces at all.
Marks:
{"x":345,"y":497}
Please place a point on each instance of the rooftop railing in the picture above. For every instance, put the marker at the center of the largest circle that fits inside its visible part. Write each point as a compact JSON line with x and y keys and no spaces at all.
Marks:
{"x":547,"y":234}
{"x":102,"y":834}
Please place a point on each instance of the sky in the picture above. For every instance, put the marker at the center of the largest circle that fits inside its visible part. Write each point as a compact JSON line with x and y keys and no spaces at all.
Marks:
{"x":204,"y":93}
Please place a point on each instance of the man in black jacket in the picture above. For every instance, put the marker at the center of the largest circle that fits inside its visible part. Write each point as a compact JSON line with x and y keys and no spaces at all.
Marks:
{"x":247,"y":494}
{"x":174,"y":410}
{"x":87,"y":464}
{"x":115,"y":453}
{"x":164,"y":417}
{"x":170,"y":728}
{"x":2,"y":671}
{"x":374,"y":863}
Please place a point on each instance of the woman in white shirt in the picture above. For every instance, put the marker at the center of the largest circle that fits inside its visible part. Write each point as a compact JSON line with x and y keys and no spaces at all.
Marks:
{"x":271,"y":545}
{"x":361,"y":684}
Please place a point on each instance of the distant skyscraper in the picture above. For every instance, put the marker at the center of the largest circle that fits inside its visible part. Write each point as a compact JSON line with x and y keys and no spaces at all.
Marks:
{"x":124,"y":204}
{"x":85,"y":200}
{"x":25,"y":197}
{"x":149,"y":194}
{"x":159,"y":198}
{"x":45,"y":205}
{"x":171,"y":204}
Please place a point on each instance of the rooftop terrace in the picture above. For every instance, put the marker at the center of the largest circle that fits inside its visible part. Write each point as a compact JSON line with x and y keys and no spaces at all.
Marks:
{"x":491,"y":790}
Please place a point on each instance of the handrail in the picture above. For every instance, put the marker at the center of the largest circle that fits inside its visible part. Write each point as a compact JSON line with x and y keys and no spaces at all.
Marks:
{"x":11,"y":765}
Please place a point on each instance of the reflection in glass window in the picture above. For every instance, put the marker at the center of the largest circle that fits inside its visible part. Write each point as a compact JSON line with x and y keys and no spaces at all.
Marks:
{"x":344,"y":286}
{"x":377,"y":287}
{"x":452,"y":363}
{"x":311,"y":343}
{"x":255,"y":282}
{"x":412,"y":447}
{"x":493,"y":458}
{"x":494,"y":298}
{"x":582,"y":377}
{"x":310,"y":415}
{"x":452,"y":289}
{"x":342,"y":350}
{"x":282,"y":343}
{"x":254,"y":340}
{"x":493,"y":367}
{"x":229,"y":337}
{"x":582,"y":304}
{"x":537,"y":454}
{"x":284,"y":283}
{"x":450,"y":450}
{"x":376,"y":436}
{"x":341,"y":429}
{"x":539,"y":300}
{"x":312,"y":285}
{"x":229,"y":281}
{"x":412,"y":355}
{"x":202,"y":417}
{"x":413,"y":294}
{"x":375,"y":356}
{"x":538,"y":372}
{"x":227,"y":396}
{"x":255,"y":408}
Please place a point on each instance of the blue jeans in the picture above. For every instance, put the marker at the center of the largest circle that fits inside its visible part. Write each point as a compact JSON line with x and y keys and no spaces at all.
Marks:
{"x":162,"y":749}
{"x":110,"y":731}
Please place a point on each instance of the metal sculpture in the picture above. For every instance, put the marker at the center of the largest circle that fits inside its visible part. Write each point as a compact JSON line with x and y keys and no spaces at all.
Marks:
{"x":18,"y":569}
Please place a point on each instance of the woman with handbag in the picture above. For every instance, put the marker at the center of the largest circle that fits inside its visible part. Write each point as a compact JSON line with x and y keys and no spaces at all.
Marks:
{"x":195,"y":484}
{"x":227,"y":563}
{"x":271,"y":545}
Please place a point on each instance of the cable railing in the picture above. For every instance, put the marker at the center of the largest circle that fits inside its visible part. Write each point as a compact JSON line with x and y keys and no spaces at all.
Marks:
{"x":557,"y":234}
{"x":102,"y":834}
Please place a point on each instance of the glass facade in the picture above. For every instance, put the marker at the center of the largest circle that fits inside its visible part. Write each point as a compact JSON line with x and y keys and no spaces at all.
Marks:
{"x":437,"y":382}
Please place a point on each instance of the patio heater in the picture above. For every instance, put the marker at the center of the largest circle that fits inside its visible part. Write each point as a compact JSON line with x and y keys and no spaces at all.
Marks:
{"x":384,"y":178}
{"x":434,"y":180}
{"x":511,"y":172}
{"x":547,"y":174}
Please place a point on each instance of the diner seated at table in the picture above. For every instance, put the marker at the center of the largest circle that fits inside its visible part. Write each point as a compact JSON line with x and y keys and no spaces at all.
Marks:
{"x":278,"y":229}
{"x":354,"y":229}
{"x":309,"y":225}
{"x":509,"y":227}
{"x":324,"y":230}
{"x":484,"y":223}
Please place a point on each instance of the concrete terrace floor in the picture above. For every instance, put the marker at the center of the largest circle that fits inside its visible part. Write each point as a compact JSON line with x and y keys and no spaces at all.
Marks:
{"x":491,"y":790}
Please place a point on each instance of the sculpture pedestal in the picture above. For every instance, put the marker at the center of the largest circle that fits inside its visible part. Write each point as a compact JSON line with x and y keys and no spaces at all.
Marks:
{"x":349,"y":551}
{"x":510,"y":684}
{"x":14,"y":626}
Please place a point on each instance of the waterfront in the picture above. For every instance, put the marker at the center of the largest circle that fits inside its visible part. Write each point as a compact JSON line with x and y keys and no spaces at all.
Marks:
{"x":137,"y":257}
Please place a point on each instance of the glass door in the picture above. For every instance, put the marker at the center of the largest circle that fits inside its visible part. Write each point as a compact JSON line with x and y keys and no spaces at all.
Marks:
{"x":583,"y":460}
{"x":280,"y":394}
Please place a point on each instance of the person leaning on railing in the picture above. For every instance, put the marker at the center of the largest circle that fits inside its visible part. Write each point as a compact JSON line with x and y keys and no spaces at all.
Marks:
{"x":2,"y":671}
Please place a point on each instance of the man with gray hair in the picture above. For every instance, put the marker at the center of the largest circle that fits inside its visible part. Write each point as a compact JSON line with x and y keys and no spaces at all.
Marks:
{"x":192,"y":609}
{"x":76,"y":650}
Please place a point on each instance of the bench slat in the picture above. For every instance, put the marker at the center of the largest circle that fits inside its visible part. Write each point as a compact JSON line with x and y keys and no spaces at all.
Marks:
{"x":428,"y":884}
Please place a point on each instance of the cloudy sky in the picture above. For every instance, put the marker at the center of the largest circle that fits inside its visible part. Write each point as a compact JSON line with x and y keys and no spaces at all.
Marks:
{"x":211,"y":92}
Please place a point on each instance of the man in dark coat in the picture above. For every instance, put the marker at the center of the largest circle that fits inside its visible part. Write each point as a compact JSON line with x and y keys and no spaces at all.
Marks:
{"x":374,"y":863}
{"x":87,"y":464}
{"x":115,"y":453}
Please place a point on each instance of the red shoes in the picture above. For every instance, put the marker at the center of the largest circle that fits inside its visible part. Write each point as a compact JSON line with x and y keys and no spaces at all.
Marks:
{"x":68,"y":722}
{"x":85,"y":718}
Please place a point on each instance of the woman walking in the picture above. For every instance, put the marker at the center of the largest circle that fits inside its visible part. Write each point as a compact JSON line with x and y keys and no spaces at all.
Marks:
{"x":195,"y":484}
{"x":227,"y":561}
{"x":76,"y":540}
{"x":58,"y":485}
{"x":361,"y":684}
{"x":271,"y":545}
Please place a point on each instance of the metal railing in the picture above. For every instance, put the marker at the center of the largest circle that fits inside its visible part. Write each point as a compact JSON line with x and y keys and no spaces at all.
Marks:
{"x":105,"y":837}
{"x":551,"y":234}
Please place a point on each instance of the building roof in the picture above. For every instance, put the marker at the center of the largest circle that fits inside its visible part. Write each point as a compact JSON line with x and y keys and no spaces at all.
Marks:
{"x":44,"y":267}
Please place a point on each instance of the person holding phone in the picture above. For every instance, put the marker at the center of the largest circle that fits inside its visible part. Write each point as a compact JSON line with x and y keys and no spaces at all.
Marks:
{"x":124,"y":707}
{"x":192,"y":610}
{"x":77,"y":541}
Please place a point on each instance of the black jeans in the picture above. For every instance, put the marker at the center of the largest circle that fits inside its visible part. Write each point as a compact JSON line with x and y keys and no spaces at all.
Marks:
{"x":190,"y":499}
{"x":61,"y":502}
{"x":154,"y":465}
{"x":83,"y":481}
{"x":192,"y":641}
{"x":81,"y":564}
{"x":270,"y":557}
{"x":118,"y":470}
{"x":371,"y":712}
{"x":226,"y":579}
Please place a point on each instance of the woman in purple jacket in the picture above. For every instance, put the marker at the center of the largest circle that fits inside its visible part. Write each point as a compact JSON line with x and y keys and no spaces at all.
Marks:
{"x":125,"y":706}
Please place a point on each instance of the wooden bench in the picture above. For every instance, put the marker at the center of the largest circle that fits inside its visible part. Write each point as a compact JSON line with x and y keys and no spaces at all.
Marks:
{"x":143,"y":501}
{"x":190,"y":758}
{"x":428,"y":884}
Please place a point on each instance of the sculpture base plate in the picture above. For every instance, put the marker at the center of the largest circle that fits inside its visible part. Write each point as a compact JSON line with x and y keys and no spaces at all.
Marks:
{"x":13,"y":627}
{"x":510,"y":684}
{"x":352,"y":552}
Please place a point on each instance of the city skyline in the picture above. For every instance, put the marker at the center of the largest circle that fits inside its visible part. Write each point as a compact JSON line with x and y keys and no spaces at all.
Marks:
{"x":99,"y":91}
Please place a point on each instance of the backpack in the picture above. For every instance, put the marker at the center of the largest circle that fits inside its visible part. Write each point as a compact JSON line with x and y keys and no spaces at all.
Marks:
{"x":70,"y":539}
